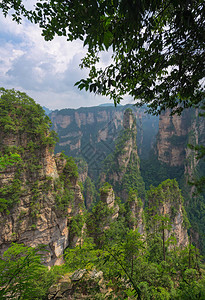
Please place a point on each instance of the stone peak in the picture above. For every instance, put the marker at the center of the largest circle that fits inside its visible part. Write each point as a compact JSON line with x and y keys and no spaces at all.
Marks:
{"x":128,"y":119}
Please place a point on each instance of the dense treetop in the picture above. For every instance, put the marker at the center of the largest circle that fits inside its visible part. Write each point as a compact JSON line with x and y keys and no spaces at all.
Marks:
{"x":157,"y":46}
{"x":20,"y":113}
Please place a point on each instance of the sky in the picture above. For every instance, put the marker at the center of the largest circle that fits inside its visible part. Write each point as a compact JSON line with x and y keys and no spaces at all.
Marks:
{"x":46,"y":71}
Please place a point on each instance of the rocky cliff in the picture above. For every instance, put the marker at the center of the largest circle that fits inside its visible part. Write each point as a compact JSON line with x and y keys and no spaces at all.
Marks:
{"x":40,"y":193}
{"x":103,"y":214}
{"x":166,"y":214}
{"x":134,"y":215}
{"x":90,"y":132}
{"x":121,"y":167}
{"x":173,"y":136}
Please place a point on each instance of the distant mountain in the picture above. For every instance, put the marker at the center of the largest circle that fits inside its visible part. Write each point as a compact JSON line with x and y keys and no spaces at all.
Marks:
{"x":47,"y":110}
{"x":109,"y":104}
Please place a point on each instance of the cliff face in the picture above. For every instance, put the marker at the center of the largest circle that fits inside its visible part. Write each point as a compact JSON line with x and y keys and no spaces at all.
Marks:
{"x":39,"y":192}
{"x":90,"y":132}
{"x":166,"y":212}
{"x":103,"y":214}
{"x":175,"y":132}
{"x":107,"y":197}
{"x":121,"y":168}
{"x":196,"y":136}
{"x":172,"y":137}
{"x":135,"y":213}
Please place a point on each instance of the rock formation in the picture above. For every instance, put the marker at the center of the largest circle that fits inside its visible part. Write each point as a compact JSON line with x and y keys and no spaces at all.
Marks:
{"x":103,"y":214}
{"x":90,"y":132}
{"x":121,"y":168}
{"x":172,"y":137}
{"x":107,"y":197}
{"x":166,"y":212}
{"x":135,"y":213}
{"x":82,"y":284}
{"x":40,"y":192}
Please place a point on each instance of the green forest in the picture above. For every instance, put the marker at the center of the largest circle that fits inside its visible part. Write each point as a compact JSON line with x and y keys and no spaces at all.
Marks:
{"x":133,"y":227}
{"x":127,"y":247}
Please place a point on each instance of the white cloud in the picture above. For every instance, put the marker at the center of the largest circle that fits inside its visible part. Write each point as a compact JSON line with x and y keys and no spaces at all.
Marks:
{"x":46,"y":71}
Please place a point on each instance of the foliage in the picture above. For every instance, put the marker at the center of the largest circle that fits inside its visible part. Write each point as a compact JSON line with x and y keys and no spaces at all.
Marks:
{"x":130,"y":267}
{"x":169,"y":33}
{"x":25,"y":120}
{"x":70,"y":169}
{"x":10,"y":193}
{"x":97,"y":220}
{"x":130,"y":170}
{"x":167,"y":191}
{"x":132,"y":178}
{"x":20,"y":113}
{"x":82,"y":256}
{"x":154,"y":172}
{"x":82,"y":164}
{"x":89,"y":193}
{"x":76,"y":224}
{"x":105,"y":188}
{"x":9,"y":160}
{"x":22,"y":275}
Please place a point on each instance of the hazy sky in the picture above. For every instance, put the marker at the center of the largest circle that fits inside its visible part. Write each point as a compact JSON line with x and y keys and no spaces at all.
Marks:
{"x":46,"y":71}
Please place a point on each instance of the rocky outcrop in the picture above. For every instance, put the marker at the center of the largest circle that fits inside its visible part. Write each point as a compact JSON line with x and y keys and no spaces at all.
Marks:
{"x":166,"y":212}
{"x":82,"y":169}
{"x":103,"y":214}
{"x":122,"y":168}
{"x":107,"y":197}
{"x":196,"y":136}
{"x":90,"y":132}
{"x":40,"y":192}
{"x":82,"y":284}
{"x":89,"y":193}
{"x":135,"y":213}
{"x":173,"y":137}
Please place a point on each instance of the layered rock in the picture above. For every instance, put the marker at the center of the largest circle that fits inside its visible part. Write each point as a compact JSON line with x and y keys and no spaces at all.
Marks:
{"x":82,"y":284}
{"x":103,"y":214}
{"x":91,"y":132}
{"x":173,"y":136}
{"x":166,"y":213}
{"x":196,"y":137}
{"x":39,"y":192}
{"x":135,"y":213}
{"x":89,"y":193}
{"x":107,"y":197}
{"x":122,"y":168}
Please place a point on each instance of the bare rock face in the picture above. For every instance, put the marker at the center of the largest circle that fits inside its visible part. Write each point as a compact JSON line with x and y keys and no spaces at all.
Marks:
{"x":196,"y":137}
{"x":122,"y":169}
{"x":107,"y":196}
{"x":82,"y":284}
{"x":166,"y":212}
{"x":38,"y":218}
{"x":172,"y":137}
{"x":40,"y":190}
{"x":91,"y":131}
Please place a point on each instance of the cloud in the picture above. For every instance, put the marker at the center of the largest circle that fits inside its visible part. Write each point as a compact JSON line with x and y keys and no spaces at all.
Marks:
{"x":46,"y":71}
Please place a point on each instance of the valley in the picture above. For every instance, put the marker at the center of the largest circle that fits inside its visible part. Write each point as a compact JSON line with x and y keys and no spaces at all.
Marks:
{"x":106,"y":211}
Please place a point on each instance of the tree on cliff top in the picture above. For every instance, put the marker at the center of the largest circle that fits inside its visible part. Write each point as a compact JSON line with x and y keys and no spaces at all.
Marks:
{"x":157,"y":46}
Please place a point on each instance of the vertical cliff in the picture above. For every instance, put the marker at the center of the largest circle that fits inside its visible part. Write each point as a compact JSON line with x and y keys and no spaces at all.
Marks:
{"x":39,"y":192}
{"x":173,"y":136}
{"x":90,"y":132}
{"x":135,"y":213}
{"x":178,"y":136}
{"x":166,"y":214}
{"x":103,"y":214}
{"x":121,"y":167}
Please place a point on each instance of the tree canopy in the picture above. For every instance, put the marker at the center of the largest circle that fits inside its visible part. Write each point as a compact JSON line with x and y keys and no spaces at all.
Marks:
{"x":157,"y":47}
